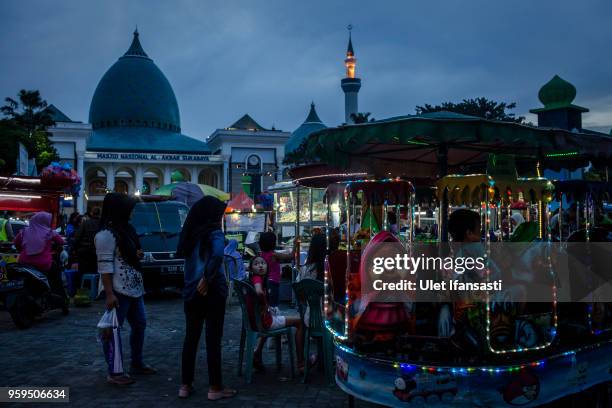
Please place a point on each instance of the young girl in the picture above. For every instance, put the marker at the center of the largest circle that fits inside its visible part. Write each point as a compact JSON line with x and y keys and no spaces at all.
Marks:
{"x":259,"y":271}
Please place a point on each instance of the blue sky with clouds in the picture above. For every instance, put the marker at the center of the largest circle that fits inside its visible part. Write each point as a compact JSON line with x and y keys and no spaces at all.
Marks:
{"x":272,"y":58}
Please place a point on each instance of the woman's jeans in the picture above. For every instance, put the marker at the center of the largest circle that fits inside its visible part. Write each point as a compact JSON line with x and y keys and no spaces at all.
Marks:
{"x":133,"y":309}
{"x":212,"y":309}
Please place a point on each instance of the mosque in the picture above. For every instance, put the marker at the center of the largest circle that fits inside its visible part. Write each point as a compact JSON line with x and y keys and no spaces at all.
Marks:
{"x":133,"y":143}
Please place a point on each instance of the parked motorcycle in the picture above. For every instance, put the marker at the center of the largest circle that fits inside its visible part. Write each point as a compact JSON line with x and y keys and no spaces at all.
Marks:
{"x":28,"y":293}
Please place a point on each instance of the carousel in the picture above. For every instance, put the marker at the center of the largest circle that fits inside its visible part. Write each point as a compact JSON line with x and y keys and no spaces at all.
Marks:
{"x":394,"y":353}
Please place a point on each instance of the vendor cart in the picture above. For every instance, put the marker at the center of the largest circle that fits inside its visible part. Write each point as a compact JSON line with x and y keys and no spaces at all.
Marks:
{"x":243,"y":222}
{"x":28,"y":195}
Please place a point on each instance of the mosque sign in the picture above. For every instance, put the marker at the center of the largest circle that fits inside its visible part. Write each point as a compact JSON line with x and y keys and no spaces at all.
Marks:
{"x":151,"y":157}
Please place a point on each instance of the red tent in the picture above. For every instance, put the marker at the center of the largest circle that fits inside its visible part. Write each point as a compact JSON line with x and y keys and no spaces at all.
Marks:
{"x":241,"y":202}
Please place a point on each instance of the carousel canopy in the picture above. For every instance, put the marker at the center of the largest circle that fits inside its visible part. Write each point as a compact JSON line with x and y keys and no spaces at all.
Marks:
{"x":417,"y":146}
{"x":473,"y":188}
{"x":392,"y":191}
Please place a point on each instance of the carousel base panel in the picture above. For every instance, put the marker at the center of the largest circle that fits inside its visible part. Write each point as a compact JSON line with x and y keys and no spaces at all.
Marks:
{"x":401,"y":385}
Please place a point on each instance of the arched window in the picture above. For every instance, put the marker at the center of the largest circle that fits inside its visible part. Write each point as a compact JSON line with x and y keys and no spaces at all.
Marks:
{"x":208,"y":177}
{"x":96,"y":187}
{"x":121,"y":187}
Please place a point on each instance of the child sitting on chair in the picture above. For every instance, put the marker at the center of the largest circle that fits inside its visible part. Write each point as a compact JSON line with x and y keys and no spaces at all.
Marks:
{"x":258,"y":268}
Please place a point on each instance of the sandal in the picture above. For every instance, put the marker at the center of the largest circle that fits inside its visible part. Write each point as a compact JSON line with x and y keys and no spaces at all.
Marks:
{"x":185,"y":391}
{"x":120,"y":380}
{"x":225,"y":393}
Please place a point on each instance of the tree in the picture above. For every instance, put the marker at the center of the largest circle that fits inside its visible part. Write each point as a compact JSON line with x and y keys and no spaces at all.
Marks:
{"x":26,"y":121}
{"x":481,"y":107}
{"x":361,"y":117}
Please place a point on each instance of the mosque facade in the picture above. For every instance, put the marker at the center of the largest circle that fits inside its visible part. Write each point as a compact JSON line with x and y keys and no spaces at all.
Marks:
{"x":133,"y":144}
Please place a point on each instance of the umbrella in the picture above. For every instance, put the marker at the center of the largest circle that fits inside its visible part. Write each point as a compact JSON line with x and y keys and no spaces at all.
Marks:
{"x":189,"y":193}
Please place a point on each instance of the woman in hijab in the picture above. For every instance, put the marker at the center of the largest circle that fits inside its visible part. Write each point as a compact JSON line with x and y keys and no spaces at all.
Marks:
{"x":119,"y":253}
{"x":201,"y":244}
{"x":35,"y":245}
{"x":35,"y":242}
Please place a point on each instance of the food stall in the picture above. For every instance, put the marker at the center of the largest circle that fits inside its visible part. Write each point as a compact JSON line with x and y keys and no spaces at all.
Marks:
{"x":242,"y":221}
{"x":291,"y":199}
{"x":23,"y":194}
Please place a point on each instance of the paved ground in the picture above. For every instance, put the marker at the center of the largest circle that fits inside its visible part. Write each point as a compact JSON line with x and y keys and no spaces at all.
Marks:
{"x":63,"y":351}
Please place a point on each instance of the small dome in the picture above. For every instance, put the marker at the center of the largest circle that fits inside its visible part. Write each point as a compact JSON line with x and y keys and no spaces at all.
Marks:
{"x":177,"y":177}
{"x":134,"y":93}
{"x":557,"y":92}
{"x":310,"y":125}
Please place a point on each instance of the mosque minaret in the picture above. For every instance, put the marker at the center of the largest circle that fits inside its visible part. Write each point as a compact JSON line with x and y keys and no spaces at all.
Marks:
{"x":350,"y":84}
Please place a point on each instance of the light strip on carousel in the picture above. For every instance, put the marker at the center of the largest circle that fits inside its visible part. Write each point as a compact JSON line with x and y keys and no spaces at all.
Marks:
{"x":466,"y":370}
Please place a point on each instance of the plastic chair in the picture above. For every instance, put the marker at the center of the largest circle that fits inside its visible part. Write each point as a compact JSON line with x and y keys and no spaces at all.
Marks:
{"x":248,"y":335}
{"x":309,"y":292}
{"x":228,"y":264}
{"x":70,"y":275}
{"x":91,"y":279}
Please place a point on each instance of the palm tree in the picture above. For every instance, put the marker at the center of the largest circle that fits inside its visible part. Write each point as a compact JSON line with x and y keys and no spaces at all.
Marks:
{"x":30,"y":112}
{"x":361,"y":117}
{"x":29,"y":115}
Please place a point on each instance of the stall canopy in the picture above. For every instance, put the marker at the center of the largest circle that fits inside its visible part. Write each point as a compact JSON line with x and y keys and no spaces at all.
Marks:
{"x":242,"y":202}
{"x":32,"y":194}
{"x":190,"y":192}
{"x":439,"y":143}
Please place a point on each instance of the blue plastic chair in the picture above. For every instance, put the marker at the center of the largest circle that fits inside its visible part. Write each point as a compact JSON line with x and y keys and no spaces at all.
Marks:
{"x":249,"y":335}
{"x":309,"y":292}
{"x":90,"y":281}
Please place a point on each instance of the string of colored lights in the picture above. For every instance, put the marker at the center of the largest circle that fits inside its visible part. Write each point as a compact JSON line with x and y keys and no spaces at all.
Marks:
{"x":466,"y":370}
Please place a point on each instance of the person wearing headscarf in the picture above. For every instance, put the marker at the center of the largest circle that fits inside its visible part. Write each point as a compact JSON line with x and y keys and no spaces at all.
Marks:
{"x":35,"y":242}
{"x":201,"y":244}
{"x":118,"y":252}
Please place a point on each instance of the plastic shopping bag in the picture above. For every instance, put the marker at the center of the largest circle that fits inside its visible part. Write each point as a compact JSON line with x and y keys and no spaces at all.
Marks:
{"x":109,"y":334}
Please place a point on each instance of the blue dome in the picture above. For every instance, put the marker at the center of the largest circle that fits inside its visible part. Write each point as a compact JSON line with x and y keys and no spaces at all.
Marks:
{"x":134,"y":93}
{"x":310,"y":125}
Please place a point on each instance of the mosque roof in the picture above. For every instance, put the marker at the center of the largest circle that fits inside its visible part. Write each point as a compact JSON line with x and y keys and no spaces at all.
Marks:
{"x":246,"y":122}
{"x":557,"y":94}
{"x":135,"y":93}
{"x":310,"y":125}
{"x":57,"y":115}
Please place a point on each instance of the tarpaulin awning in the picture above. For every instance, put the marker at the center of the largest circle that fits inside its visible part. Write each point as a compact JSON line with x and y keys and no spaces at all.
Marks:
{"x":242,"y":202}
{"x":188,"y":192}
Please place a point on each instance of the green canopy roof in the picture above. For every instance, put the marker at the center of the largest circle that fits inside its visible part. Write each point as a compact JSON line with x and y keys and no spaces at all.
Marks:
{"x":413,"y":144}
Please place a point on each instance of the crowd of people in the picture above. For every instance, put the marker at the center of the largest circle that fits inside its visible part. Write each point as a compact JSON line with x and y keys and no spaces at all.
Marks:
{"x":203,"y":245}
{"x":105,"y":242}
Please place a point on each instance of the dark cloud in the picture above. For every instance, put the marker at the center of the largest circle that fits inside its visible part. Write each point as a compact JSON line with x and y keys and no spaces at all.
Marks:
{"x":271,"y":58}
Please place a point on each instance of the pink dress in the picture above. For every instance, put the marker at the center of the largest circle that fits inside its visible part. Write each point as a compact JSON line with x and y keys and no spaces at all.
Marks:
{"x":274,"y":269}
{"x":42,"y":260}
